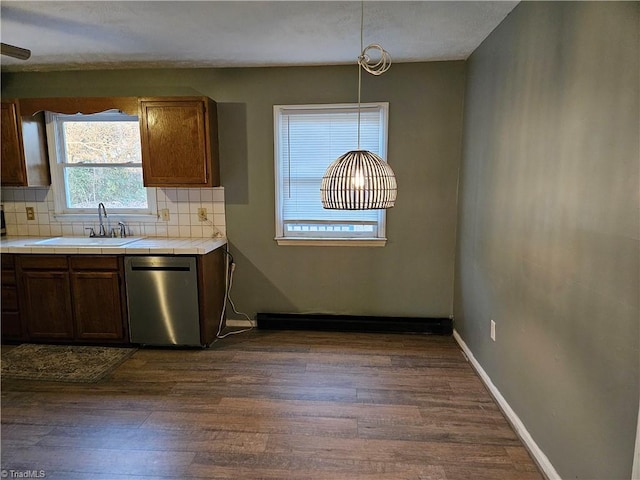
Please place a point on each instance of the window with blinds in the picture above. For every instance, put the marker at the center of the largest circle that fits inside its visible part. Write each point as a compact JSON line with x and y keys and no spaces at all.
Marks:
{"x":307,"y":139}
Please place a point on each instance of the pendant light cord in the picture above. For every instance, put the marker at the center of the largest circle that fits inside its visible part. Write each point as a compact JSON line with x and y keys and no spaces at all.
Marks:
{"x":360,"y":179}
{"x":365,"y":62}
{"x":359,"y":90}
{"x":360,"y":59}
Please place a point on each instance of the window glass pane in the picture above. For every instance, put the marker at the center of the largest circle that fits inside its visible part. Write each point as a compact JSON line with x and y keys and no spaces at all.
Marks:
{"x":102,"y":141}
{"x":308,"y":140}
{"x":302,"y":228}
{"x":116,"y":187}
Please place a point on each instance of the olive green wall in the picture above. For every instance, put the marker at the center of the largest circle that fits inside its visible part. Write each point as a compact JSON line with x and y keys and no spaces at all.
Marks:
{"x":548,"y":227}
{"x":413,"y":274}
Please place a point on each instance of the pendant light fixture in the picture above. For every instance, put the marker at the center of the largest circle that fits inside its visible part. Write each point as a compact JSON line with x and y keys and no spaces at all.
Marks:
{"x":360,"y":179}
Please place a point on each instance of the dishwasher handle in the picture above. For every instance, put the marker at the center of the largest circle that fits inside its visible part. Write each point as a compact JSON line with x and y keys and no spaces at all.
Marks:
{"x":160,"y":264}
{"x":160,"y":268}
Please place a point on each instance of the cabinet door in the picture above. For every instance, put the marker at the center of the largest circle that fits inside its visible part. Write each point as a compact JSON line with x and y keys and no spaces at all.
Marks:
{"x":211,"y":293}
{"x":12,"y":165}
{"x":179,"y":142}
{"x":97,"y":305}
{"x":47,"y":304}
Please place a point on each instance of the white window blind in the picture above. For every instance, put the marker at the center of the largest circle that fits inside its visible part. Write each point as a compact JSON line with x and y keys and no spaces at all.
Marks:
{"x":308,"y":140}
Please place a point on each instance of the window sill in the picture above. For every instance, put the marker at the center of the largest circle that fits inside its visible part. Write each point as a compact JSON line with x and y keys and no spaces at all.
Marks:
{"x":86,"y":217}
{"x":331,"y":242}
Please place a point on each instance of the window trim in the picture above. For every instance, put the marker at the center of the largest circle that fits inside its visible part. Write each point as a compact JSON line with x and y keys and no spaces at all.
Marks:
{"x":55,"y":148}
{"x":357,"y":240}
{"x":332,"y":242}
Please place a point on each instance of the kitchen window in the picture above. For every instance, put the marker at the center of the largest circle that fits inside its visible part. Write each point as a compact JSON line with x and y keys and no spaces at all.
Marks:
{"x":97,"y":158}
{"x":307,"y":138}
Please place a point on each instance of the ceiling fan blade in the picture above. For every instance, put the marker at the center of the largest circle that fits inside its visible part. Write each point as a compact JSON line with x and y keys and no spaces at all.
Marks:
{"x":15,"y":52}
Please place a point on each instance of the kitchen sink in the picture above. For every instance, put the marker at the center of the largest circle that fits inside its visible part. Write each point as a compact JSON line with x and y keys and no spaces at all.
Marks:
{"x":84,"y":242}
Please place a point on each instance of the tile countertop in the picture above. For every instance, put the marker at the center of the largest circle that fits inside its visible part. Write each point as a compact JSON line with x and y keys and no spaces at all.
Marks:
{"x":145,"y":246}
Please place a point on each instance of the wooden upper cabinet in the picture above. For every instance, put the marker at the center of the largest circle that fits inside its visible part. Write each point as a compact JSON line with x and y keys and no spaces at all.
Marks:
{"x":13,"y":171}
{"x":179,"y":138}
{"x":25,"y":160}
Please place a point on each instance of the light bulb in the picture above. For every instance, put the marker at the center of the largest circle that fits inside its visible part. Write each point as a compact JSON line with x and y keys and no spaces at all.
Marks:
{"x":357,"y":180}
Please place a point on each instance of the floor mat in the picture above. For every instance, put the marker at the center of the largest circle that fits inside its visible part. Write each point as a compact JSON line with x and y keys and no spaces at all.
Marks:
{"x":62,"y":363}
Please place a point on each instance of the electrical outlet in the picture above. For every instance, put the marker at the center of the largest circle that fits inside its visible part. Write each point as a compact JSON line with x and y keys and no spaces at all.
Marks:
{"x":493,"y":330}
{"x":31,"y":214}
{"x":164,"y":214}
{"x":202,"y":214}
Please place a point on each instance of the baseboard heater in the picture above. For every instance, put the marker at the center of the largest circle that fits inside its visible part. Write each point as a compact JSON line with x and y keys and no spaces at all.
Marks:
{"x":354,"y":323}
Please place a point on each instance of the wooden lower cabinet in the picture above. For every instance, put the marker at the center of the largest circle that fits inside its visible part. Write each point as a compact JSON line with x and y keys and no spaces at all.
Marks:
{"x":96,"y":302}
{"x":12,"y":328}
{"x":98,"y":297}
{"x":83,"y":299}
{"x":47,"y":305}
{"x":211,"y":294}
{"x":73,"y":298}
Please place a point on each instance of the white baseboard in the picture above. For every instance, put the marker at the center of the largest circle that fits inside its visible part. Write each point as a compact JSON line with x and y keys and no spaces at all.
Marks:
{"x":535,"y":451}
{"x":240,"y":323}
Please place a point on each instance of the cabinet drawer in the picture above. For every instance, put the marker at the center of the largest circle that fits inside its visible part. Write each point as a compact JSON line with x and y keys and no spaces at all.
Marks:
{"x":8,"y":278}
{"x":43,"y":262}
{"x":8,"y":261}
{"x":102,"y":262}
{"x":9,"y":299}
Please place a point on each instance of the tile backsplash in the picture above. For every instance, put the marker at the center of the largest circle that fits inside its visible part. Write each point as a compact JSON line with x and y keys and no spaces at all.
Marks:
{"x":182,"y":204}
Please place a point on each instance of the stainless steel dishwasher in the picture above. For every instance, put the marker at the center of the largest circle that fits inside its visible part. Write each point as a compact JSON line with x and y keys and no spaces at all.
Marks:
{"x":162,"y":295}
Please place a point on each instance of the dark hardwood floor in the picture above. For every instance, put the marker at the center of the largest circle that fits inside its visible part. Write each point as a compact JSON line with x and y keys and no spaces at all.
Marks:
{"x":270,"y":405}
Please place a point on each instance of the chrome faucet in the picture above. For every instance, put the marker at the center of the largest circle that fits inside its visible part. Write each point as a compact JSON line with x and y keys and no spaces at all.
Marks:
{"x":102,"y":232}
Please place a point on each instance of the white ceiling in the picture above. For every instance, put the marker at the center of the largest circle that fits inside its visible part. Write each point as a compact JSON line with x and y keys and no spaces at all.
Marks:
{"x":64,"y":35}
